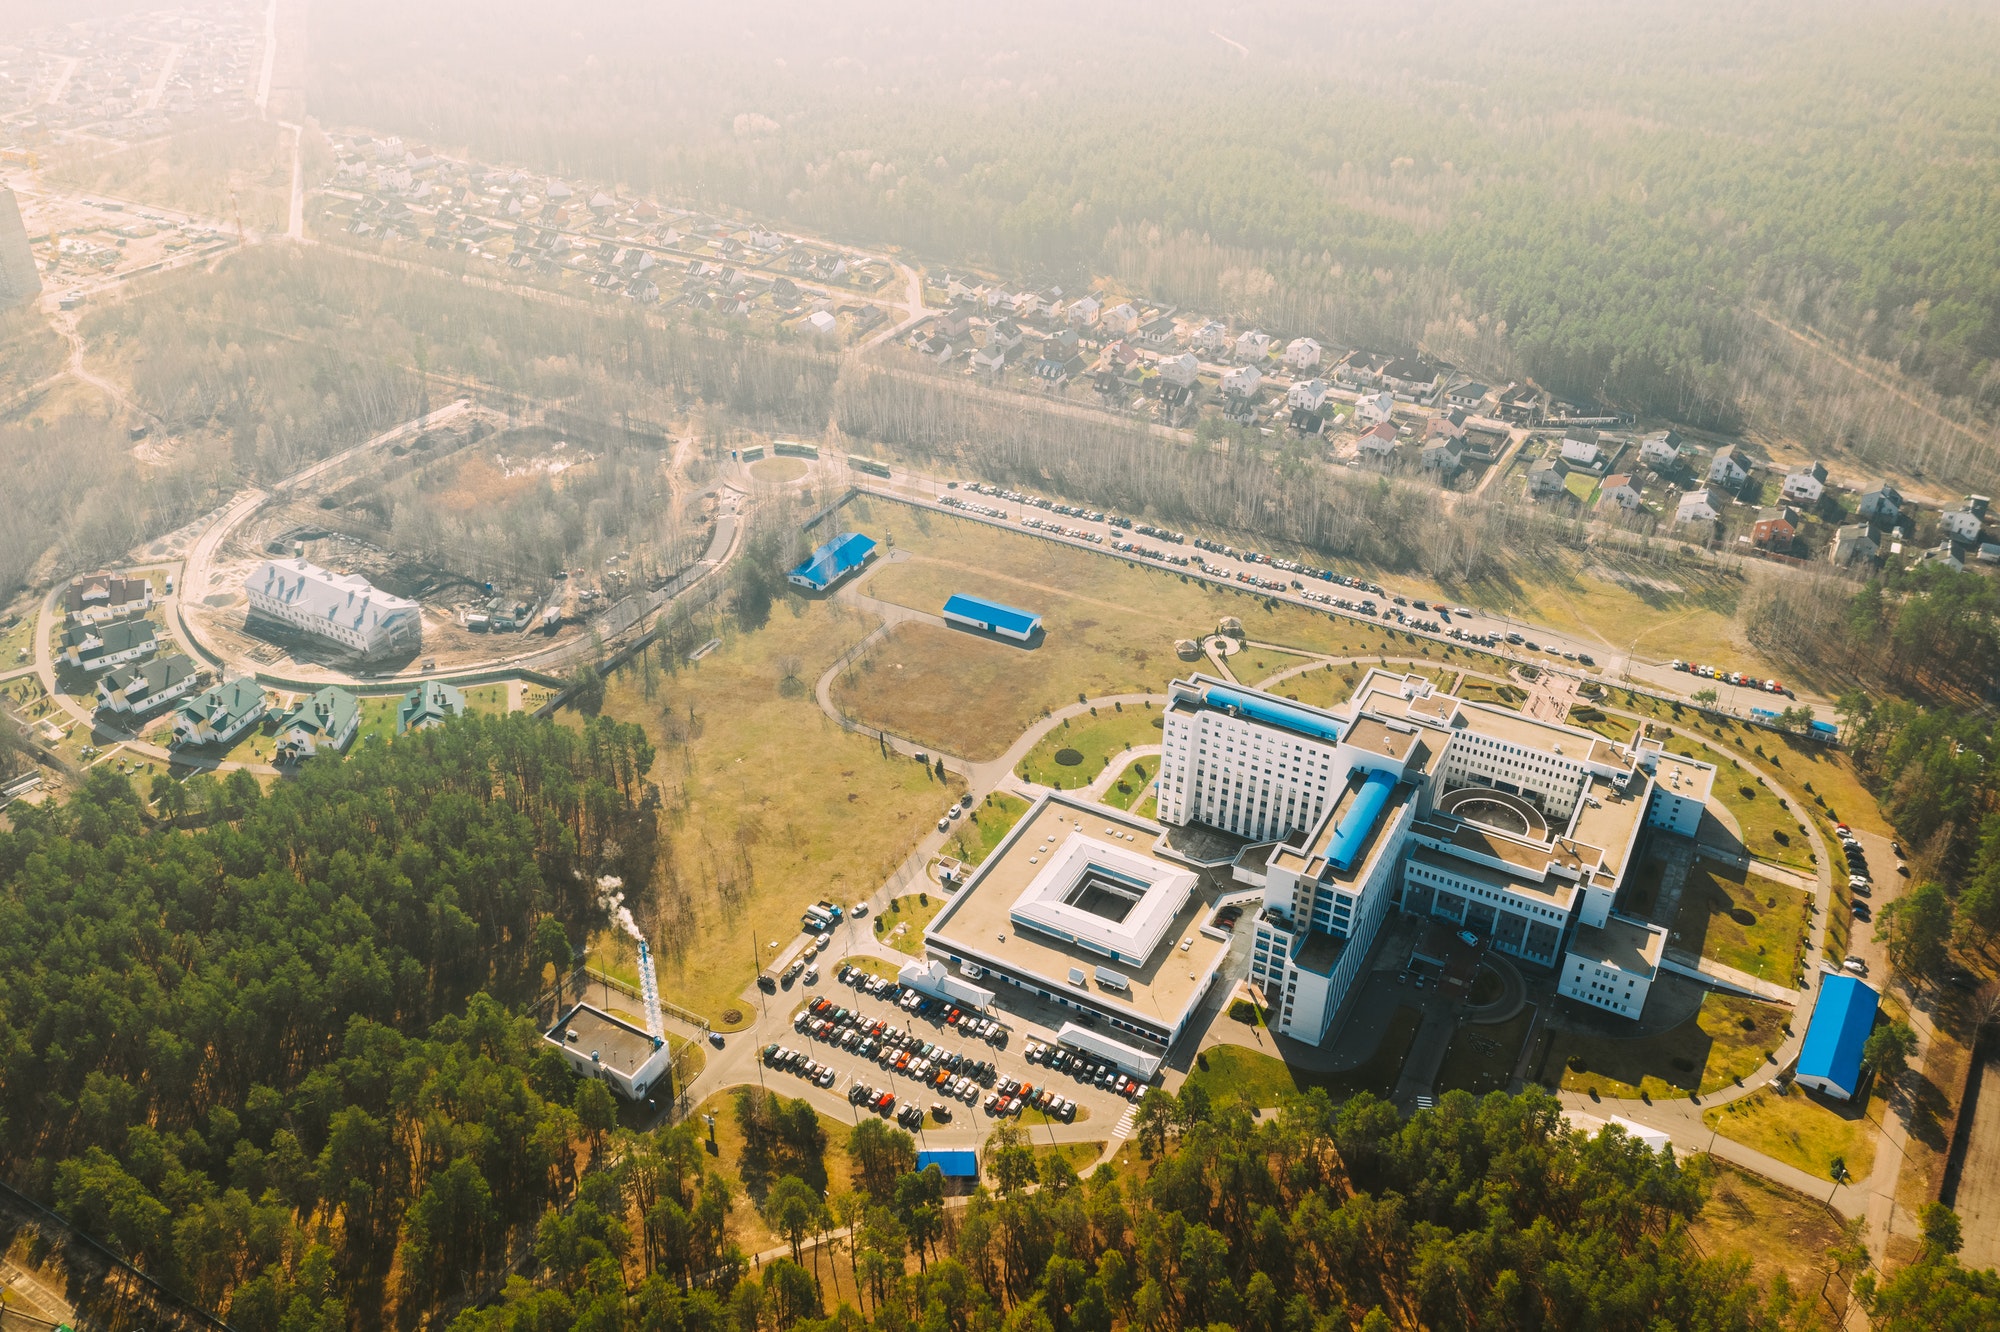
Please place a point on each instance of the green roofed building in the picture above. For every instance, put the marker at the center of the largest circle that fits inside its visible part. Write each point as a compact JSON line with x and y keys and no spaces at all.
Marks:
{"x":431,"y":703}
{"x":327,"y":720}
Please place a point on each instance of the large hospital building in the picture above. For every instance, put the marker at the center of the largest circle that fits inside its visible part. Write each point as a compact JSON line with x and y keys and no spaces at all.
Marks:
{"x":1516,"y":830}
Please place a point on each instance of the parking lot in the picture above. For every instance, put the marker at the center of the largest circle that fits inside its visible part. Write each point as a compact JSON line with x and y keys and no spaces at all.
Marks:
{"x":905,"y":1055}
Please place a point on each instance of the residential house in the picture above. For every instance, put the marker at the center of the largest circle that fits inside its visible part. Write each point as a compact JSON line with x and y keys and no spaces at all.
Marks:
{"x":97,"y":647}
{"x":1062,"y":342}
{"x":829,"y":267}
{"x":1372,"y":408}
{"x":1210,"y":338}
{"x":1443,"y":455}
{"x":432,"y":703}
{"x":1661,"y":449}
{"x":1363,"y":369}
{"x":1302,"y":353}
{"x":1055,"y":372}
{"x":1253,"y":346}
{"x":1805,"y":484}
{"x":1852,"y":545}
{"x":1697,"y":506}
{"x":1775,"y":529}
{"x":1158,"y":334}
{"x":1243,"y":381}
{"x":822,"y":323}
{"x":327,"y":720}
{"x":1580,"y":447}
{"x":1520,"y":404}
{"x":1307,"y":394}
{"x":1083,"y":311}
{"x":1004,"y":334}
{"x":139,"y":689}
{"x":1180,"y":371}
{"x":1618,"y":489}
{"x":219,"y":715}
{"x":105,"y":597}
{"x":785,"y":294}
{"x":1027,"y":305}
{"x":1548,"y":477}
{"x":1468,"y":396}
{"x":1727,"y":468}
{"x":1962,"y":521}
{"x":989,"y":360}
{"x":1410,"y":378}
{"x":953,"y":323}
{"x":1883,"y":504}
{"x":1119,"y":320}
{"x":1942,"y":553}
{"x":1378,"y":444}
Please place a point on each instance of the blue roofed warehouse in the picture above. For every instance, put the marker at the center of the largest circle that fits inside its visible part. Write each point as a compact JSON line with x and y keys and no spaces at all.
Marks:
{"x":952,"y":1164}
{"x":833,"y":561}
{"x":1843,"y":1015}
{"x":992,"y":617}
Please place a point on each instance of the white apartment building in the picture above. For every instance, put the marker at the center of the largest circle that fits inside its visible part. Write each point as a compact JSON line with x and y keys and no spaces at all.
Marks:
{"x":342,"y":608}
{"x":1253,"y":345}
{"x":1302,"y":353}
{"x":1243,"y":761}
{"x":1518,"y":831}
{"x":1307,"y":394}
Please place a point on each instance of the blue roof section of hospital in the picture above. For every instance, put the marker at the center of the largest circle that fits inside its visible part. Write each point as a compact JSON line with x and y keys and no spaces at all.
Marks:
{"x":1274,"y":711}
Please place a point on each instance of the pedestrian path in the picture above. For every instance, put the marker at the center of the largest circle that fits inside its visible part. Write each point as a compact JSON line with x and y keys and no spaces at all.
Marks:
{"x":1123,"y":1128}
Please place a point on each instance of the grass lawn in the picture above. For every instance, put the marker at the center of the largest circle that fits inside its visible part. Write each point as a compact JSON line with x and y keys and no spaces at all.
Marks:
{"x":1482,"y":1057}
{"x":1726,"y":1040}
{"x":777,"y":471}
{"x":1325,"y":687}
{"x":1580,"y":485}
{"x":874,"y":966}
{"x":766,"y":804}
{"x":1768,"y":831}
{"x":1135,"y":784}
{"x":1590,"y":718}
{"x":1802,"y":1130}
{"x":1479,"y":689}
{"x":490,"y":699}
{"x":1080,"y":1155}
{"x":902,"y":925}
{"x":1748,"y":922}
{"x":972,"y":696}
{"x":378,"y":718}
{"x":980,"y":829}
{"x":1237,"y":1074}
{"x":1080,"y":748}
{"x":1254,"y":665}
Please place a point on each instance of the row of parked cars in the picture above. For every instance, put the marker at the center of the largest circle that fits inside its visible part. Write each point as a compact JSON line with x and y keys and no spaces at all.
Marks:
{"x":1085,"y":1068}
{"x":1732,"y":677}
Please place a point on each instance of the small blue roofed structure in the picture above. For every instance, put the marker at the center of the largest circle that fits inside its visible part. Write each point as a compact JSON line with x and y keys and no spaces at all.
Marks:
{"x":1351,"y":835}
{"x":834,"y":561}
{"x":954,"y":1165}
{"x":1843,"y":1015}
{"x":992,"y":617}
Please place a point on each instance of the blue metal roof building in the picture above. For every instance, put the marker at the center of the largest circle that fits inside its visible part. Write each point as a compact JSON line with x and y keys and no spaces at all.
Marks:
{"x":992,"y":617}
{"x":1264,"y":707}
{"x":954,"y":1165}
{"x":1843,"y":1015}
{"x":833,"y":561}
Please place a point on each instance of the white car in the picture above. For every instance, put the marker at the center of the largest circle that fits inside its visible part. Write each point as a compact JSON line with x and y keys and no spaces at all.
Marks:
{"x":1855,"y":965}
{"x":860,"y":910}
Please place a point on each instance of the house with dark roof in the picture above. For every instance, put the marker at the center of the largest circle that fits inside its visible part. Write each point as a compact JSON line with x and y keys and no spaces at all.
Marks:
{"x":98,"y":647}
{"x":327,"y":720}
{"x":140,"y":689}
{"x":219,"y":715}
{"x":98,"y":597}
{"x":432,"y":703}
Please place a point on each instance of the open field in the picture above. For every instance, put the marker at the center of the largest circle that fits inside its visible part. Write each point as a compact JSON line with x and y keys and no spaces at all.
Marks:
{"x":777,"y":471}
{"x":1802,"y":1130}
{"x":1322,"y":688}
{"x":1080,"y":1155}
{"x":1728,"y":1039}
{"x":767,"y":804}
{"x":1234,"y":1074}
{"x":1481,"y":1057}
{"x":970,"y":696}
{"x":1772,"y":1227}
{"x":217,"y":172}
{"x":1745,"y":921}
{"x":980,"y":828}
{"x":1080,"y":748}
{"x":488,"y":699}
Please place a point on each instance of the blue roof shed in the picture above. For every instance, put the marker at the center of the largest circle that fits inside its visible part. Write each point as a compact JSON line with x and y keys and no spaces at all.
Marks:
{"x":833,"y":561}
{"x":992,"y":616}
{"x":955,"y":1165}
{"x":1843,"y":1015}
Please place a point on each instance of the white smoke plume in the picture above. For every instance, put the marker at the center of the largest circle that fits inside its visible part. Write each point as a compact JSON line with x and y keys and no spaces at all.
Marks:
{"x":613,"y":902}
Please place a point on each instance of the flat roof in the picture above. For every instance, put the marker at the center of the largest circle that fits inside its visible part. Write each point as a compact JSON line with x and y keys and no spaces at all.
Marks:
{"x":996,"y":613}
{"x":1529,"y":856}
{"x":1559,"y":893}
{"x":978,"y":921}
{"x":1518,"y":729}
{"x":1319,"y":952}
{"x":1684,"y":777}
{"x":952,"y":1164}
{"x":1611,"y":824}
{"x":1372,"y":735}
{"x":1621,"y":942}
{"x":620,"y":1046}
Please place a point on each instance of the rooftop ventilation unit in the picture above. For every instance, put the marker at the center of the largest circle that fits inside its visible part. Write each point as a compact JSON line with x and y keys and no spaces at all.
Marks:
{"x":1112,"y":980}
{"x":1076,"y":977}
